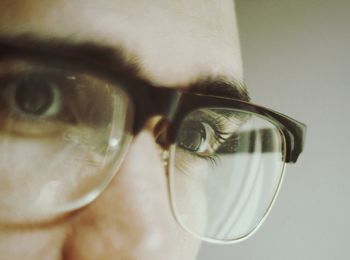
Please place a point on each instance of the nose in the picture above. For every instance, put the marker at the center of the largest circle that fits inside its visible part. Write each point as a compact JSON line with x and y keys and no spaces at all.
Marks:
{"x":132,"y":218}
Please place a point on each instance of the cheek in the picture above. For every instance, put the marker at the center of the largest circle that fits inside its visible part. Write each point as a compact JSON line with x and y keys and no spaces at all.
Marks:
{"x":30,"y":243}
{"x":37,"y":176}
{"x":52,"y":163}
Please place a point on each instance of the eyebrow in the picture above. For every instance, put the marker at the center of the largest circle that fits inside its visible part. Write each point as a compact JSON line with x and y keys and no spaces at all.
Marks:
{"x":111,"y":58}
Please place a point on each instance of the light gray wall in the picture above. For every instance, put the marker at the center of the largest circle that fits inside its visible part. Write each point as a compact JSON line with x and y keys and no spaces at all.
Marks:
{"x":297,"y":61}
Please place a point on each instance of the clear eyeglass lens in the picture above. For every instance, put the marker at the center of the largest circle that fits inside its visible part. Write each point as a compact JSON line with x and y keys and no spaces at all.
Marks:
{"x":62,"y":136}
{"x":225,"y":171}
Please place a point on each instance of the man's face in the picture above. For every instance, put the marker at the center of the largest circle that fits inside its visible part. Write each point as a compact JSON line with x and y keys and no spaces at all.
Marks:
{"x":174,"y":43}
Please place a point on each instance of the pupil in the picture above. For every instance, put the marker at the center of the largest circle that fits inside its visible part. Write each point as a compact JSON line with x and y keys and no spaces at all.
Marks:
{"x":191,"y":136}
{"x":34,"y":96}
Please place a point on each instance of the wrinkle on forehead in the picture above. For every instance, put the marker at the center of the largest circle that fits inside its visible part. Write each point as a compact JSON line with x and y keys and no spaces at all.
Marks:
{"x":175,"y":41}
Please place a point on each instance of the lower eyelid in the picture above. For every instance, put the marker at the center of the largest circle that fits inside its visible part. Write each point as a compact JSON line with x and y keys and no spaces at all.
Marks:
{"x":186,"y":162}
{"x":24,"y":128}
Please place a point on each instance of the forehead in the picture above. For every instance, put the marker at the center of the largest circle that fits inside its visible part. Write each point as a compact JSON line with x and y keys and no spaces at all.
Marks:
{"x":174,"y":42}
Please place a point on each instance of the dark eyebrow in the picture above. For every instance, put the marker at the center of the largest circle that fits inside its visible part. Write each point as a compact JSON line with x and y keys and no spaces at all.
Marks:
{"x":220,"y":87}
{"x":106,"y":57}
{"x":68,"y":51}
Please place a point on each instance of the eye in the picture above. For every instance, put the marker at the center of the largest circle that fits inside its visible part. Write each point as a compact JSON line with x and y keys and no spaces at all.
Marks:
{"x":43,"y":103}
{"x":197,"y":137}
{"x":192,"y":134}
{"x":34,"y":104}
{"x":34,"y":96}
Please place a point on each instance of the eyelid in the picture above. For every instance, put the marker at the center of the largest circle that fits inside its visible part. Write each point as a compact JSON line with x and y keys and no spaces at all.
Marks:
{"x":20,"y":66}
{"x":222,"y":124}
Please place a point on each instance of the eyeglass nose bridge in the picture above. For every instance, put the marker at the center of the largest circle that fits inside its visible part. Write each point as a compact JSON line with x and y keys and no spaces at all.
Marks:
{"x":160,"y":102}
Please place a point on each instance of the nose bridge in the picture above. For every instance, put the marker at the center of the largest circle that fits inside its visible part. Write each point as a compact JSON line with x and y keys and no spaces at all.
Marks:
{"x":133,"y":214}
{"x":156,"y":101}
{"x":166,"y":102}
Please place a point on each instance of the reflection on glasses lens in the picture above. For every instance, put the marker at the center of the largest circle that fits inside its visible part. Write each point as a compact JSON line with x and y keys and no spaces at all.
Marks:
{"x":225,"y":171}
{"x":61,"y":137}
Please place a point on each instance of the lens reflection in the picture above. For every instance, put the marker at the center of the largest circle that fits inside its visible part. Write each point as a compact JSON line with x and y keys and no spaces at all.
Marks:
{"x":225,"y":173}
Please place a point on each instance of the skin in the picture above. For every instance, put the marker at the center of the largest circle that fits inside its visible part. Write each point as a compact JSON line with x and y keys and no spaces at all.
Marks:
{"x":175,"y":43}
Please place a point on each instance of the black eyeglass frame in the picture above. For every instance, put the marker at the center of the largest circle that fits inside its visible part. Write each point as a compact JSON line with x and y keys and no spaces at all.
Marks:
{"x":149,"y":100}
{"x":175,"y":105}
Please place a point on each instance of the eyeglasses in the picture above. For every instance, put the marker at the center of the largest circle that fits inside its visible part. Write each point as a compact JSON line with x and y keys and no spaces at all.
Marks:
{"x":64,"y":132}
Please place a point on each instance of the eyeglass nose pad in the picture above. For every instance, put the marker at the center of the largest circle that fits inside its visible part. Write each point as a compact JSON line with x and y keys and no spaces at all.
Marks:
{"x":160,"y":132}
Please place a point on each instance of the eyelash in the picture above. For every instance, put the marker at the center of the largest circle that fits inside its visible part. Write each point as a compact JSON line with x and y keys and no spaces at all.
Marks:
{"x":211,"y":159}
{"x":218,"y":124}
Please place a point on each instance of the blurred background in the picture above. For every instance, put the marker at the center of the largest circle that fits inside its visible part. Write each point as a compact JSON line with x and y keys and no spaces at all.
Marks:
{"x":297,"y":60}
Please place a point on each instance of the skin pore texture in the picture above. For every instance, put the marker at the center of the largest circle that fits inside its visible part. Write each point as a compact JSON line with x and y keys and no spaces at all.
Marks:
{"x":174,"y":43}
